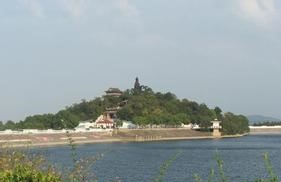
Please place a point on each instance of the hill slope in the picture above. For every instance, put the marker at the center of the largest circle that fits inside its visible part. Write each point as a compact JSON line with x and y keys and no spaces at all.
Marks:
{"x":260,"y":118}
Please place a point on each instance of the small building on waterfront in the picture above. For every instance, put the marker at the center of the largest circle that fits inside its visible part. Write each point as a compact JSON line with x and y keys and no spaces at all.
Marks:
{"x":216,"y":128}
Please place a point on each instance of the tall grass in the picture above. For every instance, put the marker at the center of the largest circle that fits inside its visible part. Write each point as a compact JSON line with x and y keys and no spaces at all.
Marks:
{"x":220,"y":176}
{"x":165,"y":166}
{"x":80,"y":171}
{"x":272,"y":176}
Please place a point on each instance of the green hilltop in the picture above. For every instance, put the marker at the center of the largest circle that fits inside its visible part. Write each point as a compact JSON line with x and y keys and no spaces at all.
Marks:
{"x":143,"y":107}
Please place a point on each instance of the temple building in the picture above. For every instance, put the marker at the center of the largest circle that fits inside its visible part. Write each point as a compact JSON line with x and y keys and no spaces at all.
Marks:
{"x":104,"y":122}
{"x":111,"y":113}
{"x":109,"y":116}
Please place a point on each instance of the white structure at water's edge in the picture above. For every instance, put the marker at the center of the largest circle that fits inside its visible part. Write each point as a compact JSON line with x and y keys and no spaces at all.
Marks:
{"x":216,"y":128}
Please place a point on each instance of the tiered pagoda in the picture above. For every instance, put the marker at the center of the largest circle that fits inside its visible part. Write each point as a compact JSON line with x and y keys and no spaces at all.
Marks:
{"x":115,"y":92}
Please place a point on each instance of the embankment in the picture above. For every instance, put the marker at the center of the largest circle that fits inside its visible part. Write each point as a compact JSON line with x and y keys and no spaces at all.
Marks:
{"x":259,"y":130}
{"x":120,"y":135}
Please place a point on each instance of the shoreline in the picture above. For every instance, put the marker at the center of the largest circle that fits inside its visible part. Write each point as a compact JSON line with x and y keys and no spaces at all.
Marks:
{"x":113,"y":140}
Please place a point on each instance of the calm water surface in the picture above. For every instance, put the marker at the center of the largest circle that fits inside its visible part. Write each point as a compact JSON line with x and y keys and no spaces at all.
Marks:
{"x":130,"y":162}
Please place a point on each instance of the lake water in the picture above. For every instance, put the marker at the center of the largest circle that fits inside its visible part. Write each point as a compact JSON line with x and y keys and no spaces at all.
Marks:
{"x":136,"y":162}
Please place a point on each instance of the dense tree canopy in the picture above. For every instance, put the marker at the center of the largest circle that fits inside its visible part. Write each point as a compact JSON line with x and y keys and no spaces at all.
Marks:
{"x":234,"y":124}
{"x":147,"y":107}
{"x":143,"y":107}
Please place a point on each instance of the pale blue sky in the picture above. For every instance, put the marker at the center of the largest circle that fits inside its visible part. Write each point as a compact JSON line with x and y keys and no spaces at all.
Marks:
{"x":223,"y":53}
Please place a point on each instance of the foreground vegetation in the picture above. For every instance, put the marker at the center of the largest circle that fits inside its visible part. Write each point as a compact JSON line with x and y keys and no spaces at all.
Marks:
{"x":17,"y":166}
{"x":141,"y":105}
{"x":25,"y":166}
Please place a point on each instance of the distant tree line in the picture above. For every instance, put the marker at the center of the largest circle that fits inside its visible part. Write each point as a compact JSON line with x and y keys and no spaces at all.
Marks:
{"x":66,"y":118}
{"x":144,"y":107}
{"x":268,"y":123}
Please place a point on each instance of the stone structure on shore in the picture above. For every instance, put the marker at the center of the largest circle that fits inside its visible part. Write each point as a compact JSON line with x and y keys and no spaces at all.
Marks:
{"x":216,"y":128}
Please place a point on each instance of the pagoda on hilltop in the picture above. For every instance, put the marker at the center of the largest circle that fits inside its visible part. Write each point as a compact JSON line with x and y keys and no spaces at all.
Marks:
{"x":115,"y":92}
{"x":111,"y":112}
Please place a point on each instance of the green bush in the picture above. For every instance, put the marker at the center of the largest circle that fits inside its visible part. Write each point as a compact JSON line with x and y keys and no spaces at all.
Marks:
{"x":17,"y":166}
{"x":26,"y":173}
{"x":24,"y":166}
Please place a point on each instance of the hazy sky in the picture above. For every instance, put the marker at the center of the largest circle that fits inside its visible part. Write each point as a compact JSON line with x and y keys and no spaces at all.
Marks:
{"x":223,"y":53}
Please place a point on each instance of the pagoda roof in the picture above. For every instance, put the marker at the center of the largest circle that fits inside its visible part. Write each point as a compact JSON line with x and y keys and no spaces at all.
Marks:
{"x":113,"y":90}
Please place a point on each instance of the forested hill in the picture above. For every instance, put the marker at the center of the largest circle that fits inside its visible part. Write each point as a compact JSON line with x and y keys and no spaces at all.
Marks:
{"x":144,"y":106}
{"x":260,"y":119}
{"x":147,"y":107}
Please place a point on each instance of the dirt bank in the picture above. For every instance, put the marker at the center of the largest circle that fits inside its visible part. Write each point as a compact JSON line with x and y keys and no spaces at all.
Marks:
{"x":120,"y":135}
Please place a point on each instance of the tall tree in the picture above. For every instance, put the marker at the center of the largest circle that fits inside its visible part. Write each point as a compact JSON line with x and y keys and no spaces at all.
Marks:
{"x":10,"y":125}
{"x":1,"y":126}
{"x":137,"y":86}
{"x":218,"y":112}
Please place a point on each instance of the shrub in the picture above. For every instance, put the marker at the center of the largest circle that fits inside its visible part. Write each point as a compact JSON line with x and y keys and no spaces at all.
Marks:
{"x":16,"y":166}
{"x":26,"y":173}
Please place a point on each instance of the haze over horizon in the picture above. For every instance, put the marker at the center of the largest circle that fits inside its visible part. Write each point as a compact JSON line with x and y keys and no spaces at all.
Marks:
{"x":223,"y":53}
